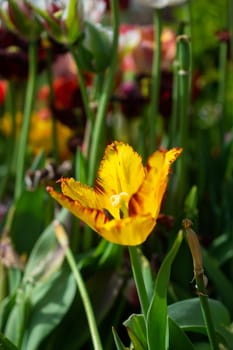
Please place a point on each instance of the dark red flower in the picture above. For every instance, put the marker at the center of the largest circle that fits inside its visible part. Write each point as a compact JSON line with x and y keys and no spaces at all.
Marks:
{"x":14,"y":54}
{"x":130,"y":98}
{"x":123,"y":4}
{"x":224,"y":36}
{"x":165,"y":100}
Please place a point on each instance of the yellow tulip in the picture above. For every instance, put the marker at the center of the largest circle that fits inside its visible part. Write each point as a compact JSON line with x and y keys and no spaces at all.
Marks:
{"x":125,"y":202}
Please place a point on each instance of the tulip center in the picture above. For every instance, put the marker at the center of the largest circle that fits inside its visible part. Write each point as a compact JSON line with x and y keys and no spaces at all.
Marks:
{"x":120,"y":201}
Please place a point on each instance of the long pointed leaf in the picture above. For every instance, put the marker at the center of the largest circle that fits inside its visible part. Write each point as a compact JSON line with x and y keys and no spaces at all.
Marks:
{"x":157,"y":313}
{"x":118,"y":342}
{"x":5,"y":343}
{"x":49,"y":303}
{"x":136,"y":329}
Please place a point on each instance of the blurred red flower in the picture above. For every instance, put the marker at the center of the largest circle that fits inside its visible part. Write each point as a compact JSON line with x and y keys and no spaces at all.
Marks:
{"x":3,"y":90}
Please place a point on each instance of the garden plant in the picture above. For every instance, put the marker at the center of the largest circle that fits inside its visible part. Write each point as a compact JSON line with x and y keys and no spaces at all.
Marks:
{"x":116,"y":174}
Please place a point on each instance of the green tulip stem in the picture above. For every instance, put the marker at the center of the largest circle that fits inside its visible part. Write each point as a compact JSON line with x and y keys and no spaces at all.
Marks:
{"x":230,"y":26}
{"x":183,"y":97}
{"x":181,"y":82}
{"x":174,"y":117}
{"x":203,"y":297}
{"x":55,"y":148}
{"x":98,"y":128}
{"x":138,"y":279}
{"x":28,"y":108}
{"x":82,"y":84}
{"x":63,"y":240}
{"x":184,"y":59}
{"x":201,"y":281}
{"x":222,"y":85}
{"x":155,"y":79}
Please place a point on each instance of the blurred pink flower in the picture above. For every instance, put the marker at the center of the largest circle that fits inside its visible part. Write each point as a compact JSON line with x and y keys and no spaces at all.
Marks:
{"x":136,"y":47}
{"x":94,"y":10}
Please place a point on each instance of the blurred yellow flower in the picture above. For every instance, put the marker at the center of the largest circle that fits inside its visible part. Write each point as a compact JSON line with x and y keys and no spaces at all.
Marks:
{"x":40,"y":134}
{"x":125,"y":202}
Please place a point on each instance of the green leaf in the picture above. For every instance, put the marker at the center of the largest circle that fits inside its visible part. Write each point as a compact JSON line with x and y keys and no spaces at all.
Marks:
{"x":135,"y":260}
{"x":14,"y":279}
{"x":222,"y":248}
{"x":73,"y":21}
{"x":27,"y":26}
{"x":49,"y":303}
{"x":46,"y":255}
{"x":53,"y":27}
{"x":95,"y":49}
{"x":14,"y":329}
{"x":3,"y":281}
{"x":80,"y":166}
{"x":28,"y":220}
{"x":157,"y":313}
{"x":5,"y":343}
{"x":202,"y":346}
{"x":85,"y":56}
{"x":103,"y":288}
{"x":220,"y":281}
{"x":136,"y":329}
{"x":187,"y":314}
{"x":38,"y":161}
{"x":177,"y":338}
{"x":147,"y":275}
{"x":6,"y":307}
{"x":190,"y":204}
{"x":117,"y":340}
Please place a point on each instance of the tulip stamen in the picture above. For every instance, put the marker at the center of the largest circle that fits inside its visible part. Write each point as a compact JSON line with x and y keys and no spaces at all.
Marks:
{"x":120,"y":201}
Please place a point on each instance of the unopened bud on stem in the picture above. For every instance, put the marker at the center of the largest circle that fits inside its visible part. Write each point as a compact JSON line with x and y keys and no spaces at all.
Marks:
{"x":195,"y":249}
{"x":194,"y":246}
{"x":61,"y":234}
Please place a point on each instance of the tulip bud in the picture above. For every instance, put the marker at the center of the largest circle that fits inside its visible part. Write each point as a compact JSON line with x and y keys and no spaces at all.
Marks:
{"x":62,"y":20}
{"x":194,"y":246}
{"x":19,"y":17}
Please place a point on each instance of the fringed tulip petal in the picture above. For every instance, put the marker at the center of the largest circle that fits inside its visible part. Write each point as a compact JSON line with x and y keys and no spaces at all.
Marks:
{"x":149,"y":196}
{"x":84,"y":194}
{"x":124,"y":204}
{"x":121,"y":170}
{"x":92,"y":216}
